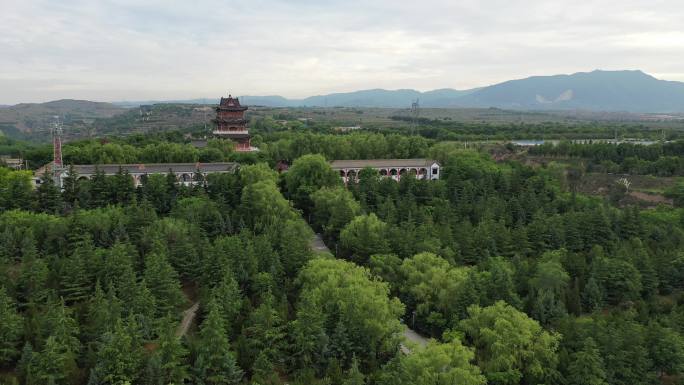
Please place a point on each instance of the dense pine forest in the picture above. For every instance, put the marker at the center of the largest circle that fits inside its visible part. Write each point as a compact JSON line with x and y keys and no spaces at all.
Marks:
{"x":514,"y":276}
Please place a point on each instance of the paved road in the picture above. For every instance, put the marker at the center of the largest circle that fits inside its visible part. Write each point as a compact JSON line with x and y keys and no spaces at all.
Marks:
{"x":414,"y":338}
{"x":188,"y":317}
{"x":318,"y":245}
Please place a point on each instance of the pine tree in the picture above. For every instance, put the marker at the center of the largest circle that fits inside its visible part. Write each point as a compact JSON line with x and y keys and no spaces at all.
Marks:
{"x":123,"y":187}
{"x":354,"y":375}
{"x":229,"y":300}
{"x":104,"y":309}
{"x":51,"y":365}
{"x":10,"y":328}
{"x":33,"y":279}
{"x":167,"y":363}
{"x":60,"y":324}
{"x":666,"y":349}
{"x":71,"y":192}
{"x":75,"y":280}
{"x":119,"y":357}
{"x":26,"y":364}
{"x":586,"y":366}
{"x":48,"y":196}
{"x":263,"y":370}
{"x":162,"y":280}
{"x":264,"y":332}
{"x":215,"y":363}
{"x":308,"y":331}
{"x":99,"y":189}
{"x":592,"y":296}
{"x":143,"y":307}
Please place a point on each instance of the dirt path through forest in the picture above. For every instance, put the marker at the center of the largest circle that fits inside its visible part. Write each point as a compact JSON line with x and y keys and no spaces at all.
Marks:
{"x":188,"y":316}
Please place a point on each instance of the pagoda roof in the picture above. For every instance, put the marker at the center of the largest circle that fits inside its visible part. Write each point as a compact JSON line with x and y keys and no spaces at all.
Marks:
{"x":230,"y":103}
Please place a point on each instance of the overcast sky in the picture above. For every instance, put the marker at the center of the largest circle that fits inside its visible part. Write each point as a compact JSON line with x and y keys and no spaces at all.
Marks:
{"x":137,"y":49}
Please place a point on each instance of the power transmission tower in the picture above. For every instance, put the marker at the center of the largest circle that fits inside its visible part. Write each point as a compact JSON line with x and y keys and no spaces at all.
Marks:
{"x":415,"y":114}
{"x":57,"y":132}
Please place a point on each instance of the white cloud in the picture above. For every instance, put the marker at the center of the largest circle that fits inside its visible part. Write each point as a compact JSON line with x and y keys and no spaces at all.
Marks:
{"x":112,"y":50}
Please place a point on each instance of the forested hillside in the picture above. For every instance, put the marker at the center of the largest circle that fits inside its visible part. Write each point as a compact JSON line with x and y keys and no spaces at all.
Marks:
{"x":515,"y":277}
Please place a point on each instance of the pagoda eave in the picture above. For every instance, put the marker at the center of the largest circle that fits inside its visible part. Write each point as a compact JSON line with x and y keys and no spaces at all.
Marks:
{"x":234,"y":109}
{"x":229,"y":121}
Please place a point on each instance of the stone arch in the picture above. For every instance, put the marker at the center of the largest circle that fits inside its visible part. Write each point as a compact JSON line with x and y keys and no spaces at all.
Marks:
{"x":393,"y":172}
{"x":383,"y":172}
{"x":343,"y":174}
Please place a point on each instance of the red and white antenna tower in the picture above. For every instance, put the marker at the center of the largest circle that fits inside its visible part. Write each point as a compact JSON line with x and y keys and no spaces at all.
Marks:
{"x":57,"y":132}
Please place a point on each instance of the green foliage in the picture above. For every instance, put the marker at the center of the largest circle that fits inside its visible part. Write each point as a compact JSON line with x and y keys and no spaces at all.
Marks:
{"x":364,"y":236}
{"x":510,"y":347}
{"x":119,"y":357}
{"x":586,"y":366}
{"x":167,"y":364}
{"x":437,"y":364}
{"x":358,"y":310}
{"x":437,"y":289}
{"x":308,"y":174}
{"x":16,"y":191}
{"x":666,"y":349}
{"x":162,"y":280}
{"x":10,"y":328}
{"x":214,"y":362}
{"x":74,"y":267}
{"x":334,"y":208}
{"x":264,"y":205}
{"x":256,"y":173}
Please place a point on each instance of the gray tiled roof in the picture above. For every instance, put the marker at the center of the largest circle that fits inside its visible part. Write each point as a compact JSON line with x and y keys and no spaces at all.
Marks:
{"x":155,"y":168}
{"x":381,"y":163}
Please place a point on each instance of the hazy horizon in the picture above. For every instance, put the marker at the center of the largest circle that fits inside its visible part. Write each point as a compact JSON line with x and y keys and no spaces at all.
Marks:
{"x":123,"y":50}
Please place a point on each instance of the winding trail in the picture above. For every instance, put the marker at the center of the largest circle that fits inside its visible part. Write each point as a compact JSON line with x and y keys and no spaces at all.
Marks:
{"x":413,"y":337}
{"x":188,"y":316}
{"x":318,"y":245}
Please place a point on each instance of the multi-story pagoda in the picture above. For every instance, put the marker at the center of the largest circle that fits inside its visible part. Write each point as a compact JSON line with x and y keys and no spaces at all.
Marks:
{"x":231,"y":123}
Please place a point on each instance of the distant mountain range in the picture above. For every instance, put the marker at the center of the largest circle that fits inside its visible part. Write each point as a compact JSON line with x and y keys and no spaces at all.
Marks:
{"x":611,"y":91}
{"x":629,"y":91}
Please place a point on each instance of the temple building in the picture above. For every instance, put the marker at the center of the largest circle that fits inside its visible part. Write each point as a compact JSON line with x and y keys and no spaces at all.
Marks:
{"x":390,"y":168}
{"x":231,"y":124}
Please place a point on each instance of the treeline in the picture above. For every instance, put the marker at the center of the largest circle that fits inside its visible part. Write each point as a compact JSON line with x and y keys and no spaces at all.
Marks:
{"x":275,"y":147}
{"x":290,"y":146}
{"x":446,"y":129}
{"x":661,"y":159}
{"x":544,"y":286}
{"x":163,"y":148}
